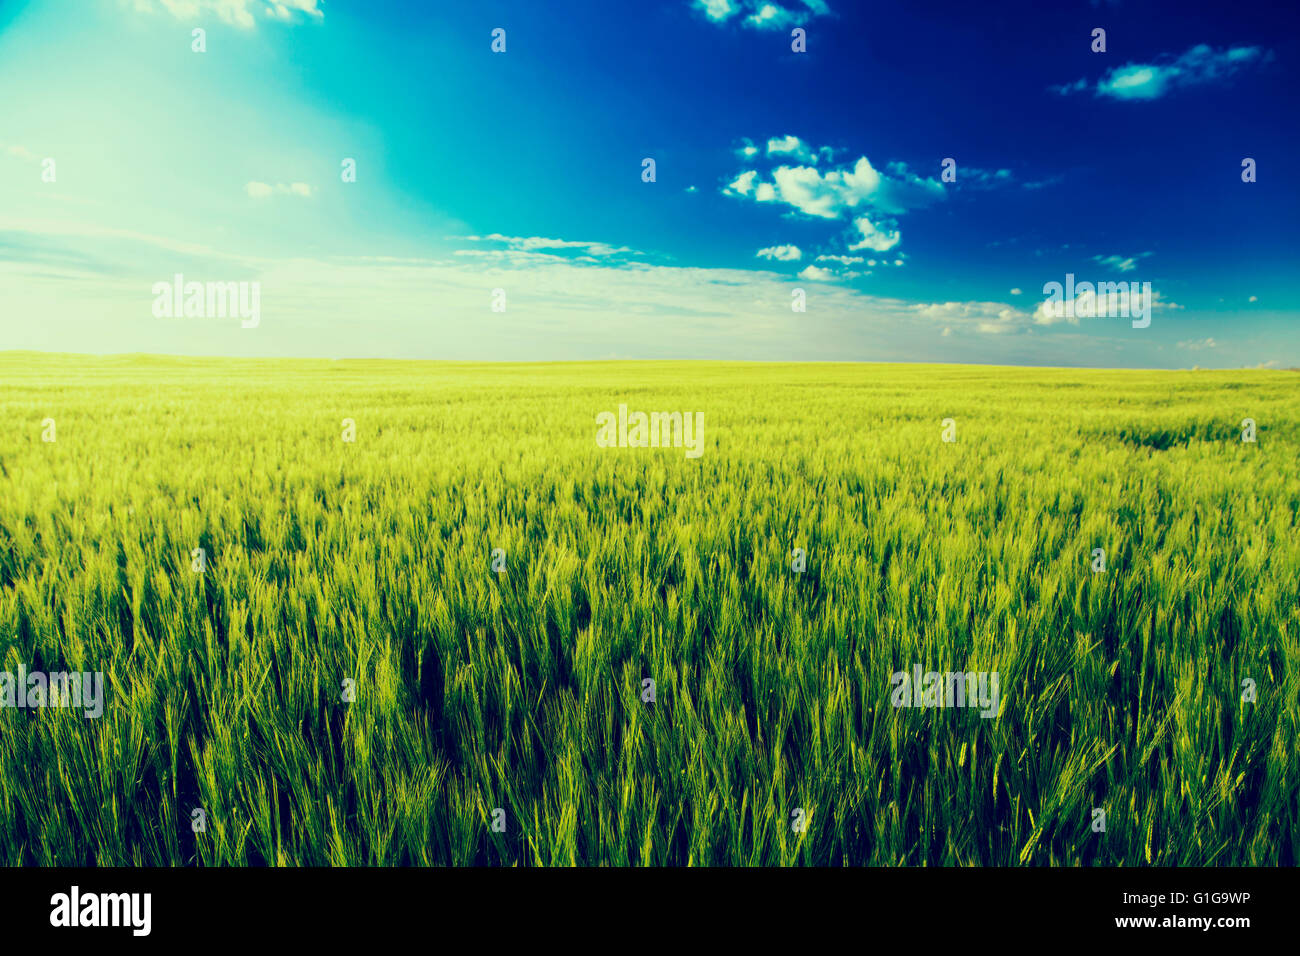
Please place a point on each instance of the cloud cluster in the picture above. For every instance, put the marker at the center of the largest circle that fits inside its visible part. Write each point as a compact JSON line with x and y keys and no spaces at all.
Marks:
{"x":1090,"y":303}
{"x":560,"y":306}
{"x":763,"y":14}
{"x":831,"y":193}
{"x":999,"y":318}
{"x":987,"y":318}
{"x":861,"y":194}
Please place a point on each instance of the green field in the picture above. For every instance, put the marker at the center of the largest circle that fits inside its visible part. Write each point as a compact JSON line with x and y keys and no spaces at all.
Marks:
{"x":371,"y":561}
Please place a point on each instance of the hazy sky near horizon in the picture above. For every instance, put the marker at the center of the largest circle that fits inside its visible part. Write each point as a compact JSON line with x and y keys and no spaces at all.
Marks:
{"x":127,"y":158}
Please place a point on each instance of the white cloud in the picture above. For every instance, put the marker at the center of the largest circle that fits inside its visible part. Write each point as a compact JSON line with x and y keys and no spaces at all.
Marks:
{"x":998,"y":318}
{"x":817,"y":274}
{"x":814,"y":195}
{"x":1197,"y":345}
{"x":837,"y":268}
{"x":780,"y":253}
{"x":256,"y":190}
{"x":770,"y":16}
{"x":837,"y":191}
{"x":1253,"y":298}
{"x":717,"y":10}
{"x":1149,"y":81}
{"x":763,"y":14}
{"x":743,"y":184}
{"x":790,"y":146}
{"x":873,"y":238}
{"x":1016,"y":292}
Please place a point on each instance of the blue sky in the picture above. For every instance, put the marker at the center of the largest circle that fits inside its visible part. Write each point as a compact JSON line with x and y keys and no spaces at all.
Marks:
{"x":775,"y":171}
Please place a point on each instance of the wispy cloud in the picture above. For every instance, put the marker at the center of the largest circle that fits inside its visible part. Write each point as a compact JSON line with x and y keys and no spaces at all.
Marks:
{"x":999,"y":318}
{"x":986,"y":318}
{"x":112,"y":237}
{"x":973,"y":177}
{"x":1043,"y":183}
{"x":256,"y":190}
{"x":1121,"y":263}
{"x":19,"y":152}
{"x":1199,"y":66}
{"x":239,"y":13}
{"x":540,"y":243}
{"x":558,"y":307}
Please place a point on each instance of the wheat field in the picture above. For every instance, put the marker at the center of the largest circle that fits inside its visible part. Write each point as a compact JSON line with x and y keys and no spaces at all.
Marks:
{"x":433,"y":644}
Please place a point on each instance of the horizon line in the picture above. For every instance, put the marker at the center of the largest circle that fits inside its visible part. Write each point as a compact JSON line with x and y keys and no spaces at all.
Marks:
{"x":21,"y":353}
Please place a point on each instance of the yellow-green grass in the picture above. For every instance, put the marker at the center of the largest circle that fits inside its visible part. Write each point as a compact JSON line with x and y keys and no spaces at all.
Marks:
{"x":371,"y":561}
